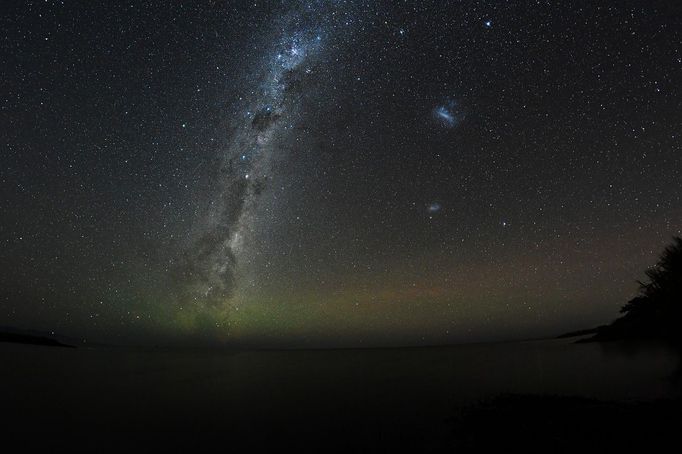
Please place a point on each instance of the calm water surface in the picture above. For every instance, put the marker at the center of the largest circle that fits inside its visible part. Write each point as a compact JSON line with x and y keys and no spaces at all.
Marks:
{"x":369,"y":389}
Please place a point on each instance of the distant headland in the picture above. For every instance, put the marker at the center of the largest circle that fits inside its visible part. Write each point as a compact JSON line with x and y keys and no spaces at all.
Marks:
{"x":656,"y":312}
{"x":31,"y":338}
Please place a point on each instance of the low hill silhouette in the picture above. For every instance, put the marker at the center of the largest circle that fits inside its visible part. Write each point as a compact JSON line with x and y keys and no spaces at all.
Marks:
{"x":29,"y":337}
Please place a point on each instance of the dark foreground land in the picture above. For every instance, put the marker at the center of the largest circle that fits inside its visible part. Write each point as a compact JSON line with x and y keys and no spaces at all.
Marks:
{"x":540,"y":423}
{"x":549,"y":396}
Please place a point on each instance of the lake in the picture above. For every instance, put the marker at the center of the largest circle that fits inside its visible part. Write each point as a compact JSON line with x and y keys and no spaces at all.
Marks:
{"x":265,"y":395}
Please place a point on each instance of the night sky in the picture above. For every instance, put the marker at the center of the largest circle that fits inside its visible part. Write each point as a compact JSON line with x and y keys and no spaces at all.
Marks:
{"x":319,"y":173}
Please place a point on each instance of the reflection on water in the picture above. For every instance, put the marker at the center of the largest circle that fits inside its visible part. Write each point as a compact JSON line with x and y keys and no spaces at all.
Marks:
{"x":218,"y":389}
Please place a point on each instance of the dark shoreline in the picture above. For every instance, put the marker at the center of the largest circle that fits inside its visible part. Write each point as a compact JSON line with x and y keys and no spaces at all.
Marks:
{"x":29,"y":339}
{"x":549,"y":423}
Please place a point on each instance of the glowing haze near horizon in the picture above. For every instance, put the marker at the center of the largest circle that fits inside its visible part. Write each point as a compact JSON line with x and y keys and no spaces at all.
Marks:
{"x":324,"y":173}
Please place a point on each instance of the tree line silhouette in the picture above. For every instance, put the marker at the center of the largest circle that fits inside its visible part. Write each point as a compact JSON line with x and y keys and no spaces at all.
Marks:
{"x":656,"y":312}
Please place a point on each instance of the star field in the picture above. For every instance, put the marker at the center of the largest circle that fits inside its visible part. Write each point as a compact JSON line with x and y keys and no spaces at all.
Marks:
{"x":334,"y":172}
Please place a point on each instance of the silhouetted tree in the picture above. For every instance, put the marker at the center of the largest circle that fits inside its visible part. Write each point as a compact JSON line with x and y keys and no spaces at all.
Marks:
{"x":657,"y":311}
